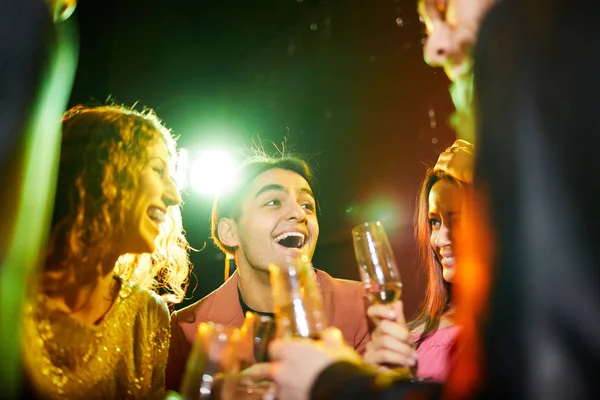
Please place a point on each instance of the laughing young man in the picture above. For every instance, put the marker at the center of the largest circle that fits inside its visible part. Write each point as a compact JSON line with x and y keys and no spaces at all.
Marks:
{"x":270,"y":216}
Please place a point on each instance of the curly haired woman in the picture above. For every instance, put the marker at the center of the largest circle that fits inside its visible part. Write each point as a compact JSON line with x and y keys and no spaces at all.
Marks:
{"x":89,"y":331}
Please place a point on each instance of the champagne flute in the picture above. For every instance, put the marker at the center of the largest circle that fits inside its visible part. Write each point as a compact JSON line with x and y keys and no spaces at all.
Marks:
{"x":257,"y":332}
{"x":213,"y":364}
{"x":297,"y":300}
{"x":377,"y":264}
{"x":377,"y":267}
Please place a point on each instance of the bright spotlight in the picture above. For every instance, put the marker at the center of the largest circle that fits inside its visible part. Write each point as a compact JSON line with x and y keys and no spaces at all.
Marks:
{"x":183,"y":161}
{"x":211,"y":172}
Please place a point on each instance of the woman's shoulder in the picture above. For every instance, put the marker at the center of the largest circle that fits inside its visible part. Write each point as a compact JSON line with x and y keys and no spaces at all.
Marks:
{"x":148,"y":301}
{"x":446,"y":330}
{"x":151,"y":320}
{"x":443,"y":337}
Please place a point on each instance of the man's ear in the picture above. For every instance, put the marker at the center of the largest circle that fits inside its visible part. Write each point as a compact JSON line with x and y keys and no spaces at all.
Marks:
{"x":227,"y":230}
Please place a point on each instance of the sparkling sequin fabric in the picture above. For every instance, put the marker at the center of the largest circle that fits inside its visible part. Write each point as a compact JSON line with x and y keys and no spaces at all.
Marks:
{"x":123,"y":357}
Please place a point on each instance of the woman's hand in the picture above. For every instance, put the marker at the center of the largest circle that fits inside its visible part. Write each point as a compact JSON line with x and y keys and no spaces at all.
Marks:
{"x":296,"y":363}
{"x":391,"y":342}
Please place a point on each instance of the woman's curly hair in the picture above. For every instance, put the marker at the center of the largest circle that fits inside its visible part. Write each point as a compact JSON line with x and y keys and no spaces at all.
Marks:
{"x":104,"y":150}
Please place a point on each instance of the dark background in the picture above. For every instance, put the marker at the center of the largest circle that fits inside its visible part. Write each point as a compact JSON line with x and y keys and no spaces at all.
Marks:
{"x":343,"y":81}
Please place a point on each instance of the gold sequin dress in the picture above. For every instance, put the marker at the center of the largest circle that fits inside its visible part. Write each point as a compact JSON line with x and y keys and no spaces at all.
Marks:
{"x":123,"y":357}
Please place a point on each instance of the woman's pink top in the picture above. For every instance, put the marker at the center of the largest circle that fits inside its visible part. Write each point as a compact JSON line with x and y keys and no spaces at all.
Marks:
{"x":436,"y":354}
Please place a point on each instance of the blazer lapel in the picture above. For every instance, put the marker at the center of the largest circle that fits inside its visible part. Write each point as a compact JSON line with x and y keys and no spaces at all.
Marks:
{"x":226,"y":308}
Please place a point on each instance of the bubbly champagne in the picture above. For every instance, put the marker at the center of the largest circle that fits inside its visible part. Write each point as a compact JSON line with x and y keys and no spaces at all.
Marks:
{"x":383,"y":294}
{"x":295,"y":321}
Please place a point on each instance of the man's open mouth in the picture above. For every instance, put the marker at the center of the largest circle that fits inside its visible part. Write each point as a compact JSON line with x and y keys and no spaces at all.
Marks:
{"x":291,"y":240}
